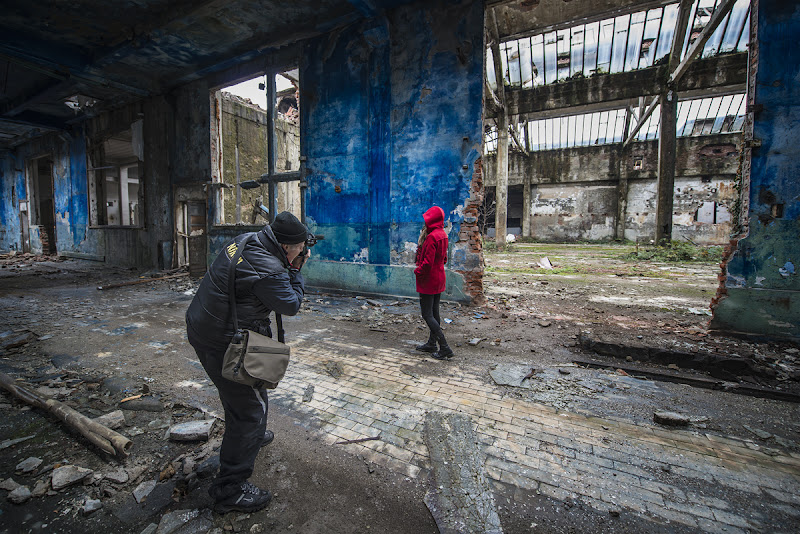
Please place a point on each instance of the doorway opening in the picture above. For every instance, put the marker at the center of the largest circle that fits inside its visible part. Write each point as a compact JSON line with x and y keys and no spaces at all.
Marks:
{"x":42,"y":202}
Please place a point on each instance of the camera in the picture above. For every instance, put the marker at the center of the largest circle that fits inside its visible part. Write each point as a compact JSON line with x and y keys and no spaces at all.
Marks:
{"x":311,"y":240}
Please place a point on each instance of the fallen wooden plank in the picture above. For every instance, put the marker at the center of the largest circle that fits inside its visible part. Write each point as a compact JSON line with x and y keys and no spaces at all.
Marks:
{"x":142,"y":281}
{"x":103,"y":437}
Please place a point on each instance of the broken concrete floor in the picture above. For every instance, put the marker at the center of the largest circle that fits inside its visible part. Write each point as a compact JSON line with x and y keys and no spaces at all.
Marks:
{"x":575,"y":449}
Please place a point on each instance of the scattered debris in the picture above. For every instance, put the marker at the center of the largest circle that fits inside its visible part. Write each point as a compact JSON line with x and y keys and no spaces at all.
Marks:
{"x":333,"y":368}
{"x":544,"y":263}
{"x":143,"y":281}
{"x":760,"y":433}
{"x":112,"y":420}
{"x":90,"y":506}
{"x":106,"y":439}
{"x":530,"y":374}
{"x":9,"y":485}
{"x":308,"y":393}
{"x":15,"y":338}
{"x":474,"y":341}
{"x":28,"y":465}
{"x":192,"y":430}
{"x":349,"y":441}
{"x":671,"y":419}
{"x":143,"y":490}
{"x":20,"y":495}
{"x":68,"y":475}
{"x":461,"y":499}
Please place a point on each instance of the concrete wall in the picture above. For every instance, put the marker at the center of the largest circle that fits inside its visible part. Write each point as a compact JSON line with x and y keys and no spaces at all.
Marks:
{"x":68,"y":152}
{"x":391,"y":112}
{"x":582,"y":193}
{"x":246,"y":124}
{"x":760,"y":290}
{"x":391,"y":122}
{"x":149,"y":245}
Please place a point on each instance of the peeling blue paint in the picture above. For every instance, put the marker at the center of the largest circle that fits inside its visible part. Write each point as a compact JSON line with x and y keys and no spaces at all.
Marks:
{"x":392,"y":115}
{"x":70,"y":191}
{"x":763,"y":292}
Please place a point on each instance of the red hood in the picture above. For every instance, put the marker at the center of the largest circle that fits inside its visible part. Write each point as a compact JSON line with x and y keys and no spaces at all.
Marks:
{"x":434,"y":218}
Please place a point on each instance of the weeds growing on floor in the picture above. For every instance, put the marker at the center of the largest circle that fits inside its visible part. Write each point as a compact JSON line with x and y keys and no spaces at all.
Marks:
{"x":677,"y":251}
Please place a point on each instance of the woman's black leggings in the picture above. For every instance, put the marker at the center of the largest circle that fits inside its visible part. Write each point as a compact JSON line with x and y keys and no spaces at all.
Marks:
{"x":429,"y":305}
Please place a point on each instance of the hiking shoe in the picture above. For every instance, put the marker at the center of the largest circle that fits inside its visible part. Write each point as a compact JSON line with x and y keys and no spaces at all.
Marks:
{"x":269,"y":435}
{"x":445,"y":353}
{"x":427,"y":347}
{"x":248,"y":498}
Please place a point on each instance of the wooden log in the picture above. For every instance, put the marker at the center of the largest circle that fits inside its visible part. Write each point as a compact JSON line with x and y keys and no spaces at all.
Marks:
{"x":103,"y":437}
{"x":142,"y":281}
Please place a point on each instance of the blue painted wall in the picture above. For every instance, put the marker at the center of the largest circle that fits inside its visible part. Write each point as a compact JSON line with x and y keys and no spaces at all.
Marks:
{"x":391,"y":115}
{"x":763,"y":282}
{"x":70,"y":188}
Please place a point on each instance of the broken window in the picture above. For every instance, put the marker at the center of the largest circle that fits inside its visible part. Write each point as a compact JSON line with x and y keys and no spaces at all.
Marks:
{"x":115,"y":178}
{"x":712,"y":213}
{"x":620,"y":44}
{"x":700,"y":116}
{"x":256,"y":148}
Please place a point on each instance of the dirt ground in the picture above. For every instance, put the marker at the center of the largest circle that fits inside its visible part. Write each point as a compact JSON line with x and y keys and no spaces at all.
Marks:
{"x":91,"y":348}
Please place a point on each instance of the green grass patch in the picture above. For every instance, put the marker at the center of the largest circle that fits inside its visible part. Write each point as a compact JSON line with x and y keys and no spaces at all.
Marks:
{"x":677,"y":252}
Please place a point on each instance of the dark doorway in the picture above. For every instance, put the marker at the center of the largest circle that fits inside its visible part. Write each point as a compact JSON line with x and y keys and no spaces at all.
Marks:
{"x":42,"y":206}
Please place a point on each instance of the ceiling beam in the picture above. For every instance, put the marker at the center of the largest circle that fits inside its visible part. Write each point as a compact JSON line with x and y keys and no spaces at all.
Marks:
{"x":44,"y":93}
{"x":717,"y":76}
{"x":679,"y":36}
{"x":60,"y":72}
{"x":646,"y":115}
{"x":716,"y":18}
{"x":595,"y":17}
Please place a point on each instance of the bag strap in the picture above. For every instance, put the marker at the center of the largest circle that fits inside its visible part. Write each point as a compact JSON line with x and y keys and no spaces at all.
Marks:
{"x":232,"y":290}
{"x":232,"y":279}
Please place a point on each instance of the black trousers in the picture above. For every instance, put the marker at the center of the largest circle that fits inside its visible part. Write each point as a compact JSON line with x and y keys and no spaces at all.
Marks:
{"x":429,"y":306}
{"x":245,"y":422}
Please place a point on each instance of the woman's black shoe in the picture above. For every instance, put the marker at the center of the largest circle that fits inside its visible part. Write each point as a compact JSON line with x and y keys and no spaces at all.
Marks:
{"x":445,"y":353}
{"x":427,"y":347}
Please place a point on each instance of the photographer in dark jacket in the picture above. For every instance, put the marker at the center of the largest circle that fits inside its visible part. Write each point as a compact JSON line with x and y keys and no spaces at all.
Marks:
{"x":267,"y":279}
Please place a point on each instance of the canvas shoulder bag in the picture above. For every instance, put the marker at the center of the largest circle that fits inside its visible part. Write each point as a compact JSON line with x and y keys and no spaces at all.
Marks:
{"x":251,"y":359}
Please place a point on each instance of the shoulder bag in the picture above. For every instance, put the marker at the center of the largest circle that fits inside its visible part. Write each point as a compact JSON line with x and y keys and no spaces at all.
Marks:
{"x":251,"y":359}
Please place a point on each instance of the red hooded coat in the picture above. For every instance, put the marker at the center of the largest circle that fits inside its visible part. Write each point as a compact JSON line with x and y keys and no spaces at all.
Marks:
{"x":432,"y":255}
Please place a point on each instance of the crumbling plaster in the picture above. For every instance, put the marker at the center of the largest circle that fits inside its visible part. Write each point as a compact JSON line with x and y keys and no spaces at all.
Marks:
{"x":575,"y":192}
{"x":393,"y":108}
{"x":760,"y":285}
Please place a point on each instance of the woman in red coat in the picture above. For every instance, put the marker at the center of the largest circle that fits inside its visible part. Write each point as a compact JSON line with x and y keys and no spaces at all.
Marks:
{"x":431,"y":257}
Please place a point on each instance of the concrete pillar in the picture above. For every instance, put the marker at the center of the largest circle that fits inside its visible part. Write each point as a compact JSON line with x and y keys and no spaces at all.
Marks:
{"x":526,"y":206}
{"x":622,"y":208}
{"x":666,"y":167}
{"x":501,"y":160}
{"x":501,"y":174}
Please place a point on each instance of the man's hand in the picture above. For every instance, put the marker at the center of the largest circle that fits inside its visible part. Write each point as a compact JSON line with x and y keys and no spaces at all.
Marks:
{"x":298,"y":262}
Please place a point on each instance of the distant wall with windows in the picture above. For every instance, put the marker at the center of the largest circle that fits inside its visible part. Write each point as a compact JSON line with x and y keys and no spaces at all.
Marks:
{"x":607,"y":192}
{"x":244,"y":135}
{"x":99,"y":191}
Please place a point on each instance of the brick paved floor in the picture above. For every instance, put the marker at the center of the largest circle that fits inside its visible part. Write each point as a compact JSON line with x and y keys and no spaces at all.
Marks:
{"x":695,"y":479}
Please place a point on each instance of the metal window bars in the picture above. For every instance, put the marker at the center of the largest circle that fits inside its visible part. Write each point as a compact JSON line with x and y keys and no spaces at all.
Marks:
{"x":620,"y":44}
{"x":699,"y":116}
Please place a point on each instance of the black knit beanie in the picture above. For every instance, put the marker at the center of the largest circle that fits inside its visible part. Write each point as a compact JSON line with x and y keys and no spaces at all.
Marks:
{"x":288,"y":229}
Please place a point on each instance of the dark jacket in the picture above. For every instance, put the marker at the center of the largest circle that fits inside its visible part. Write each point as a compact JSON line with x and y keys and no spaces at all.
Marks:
{"x":263,"y":284}
{"x":432,"y":256}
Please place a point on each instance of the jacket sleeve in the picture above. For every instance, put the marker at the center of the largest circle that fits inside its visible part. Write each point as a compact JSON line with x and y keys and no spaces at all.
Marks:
{"x":281,"y":292}
{"x":426,"y":257}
